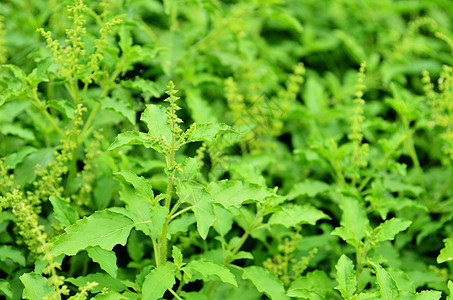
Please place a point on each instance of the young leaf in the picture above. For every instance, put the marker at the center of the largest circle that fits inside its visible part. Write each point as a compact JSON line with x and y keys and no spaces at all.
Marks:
{"x":64,"y":212}
{"x":446,"y":253}
{"x":103,"y":228}
{"x":387,"y":286}
{"x":390,"y":228}
{"x":10,"y":252}
{"x":354,"y":221}
{"x":201,"y":111}
{"x":195,"y":194}
{"x":36,"y":287}
{"x":450,"y":290}
{"x":293,"y":215}
{"x":177,"y":257}
{"x":265,"y":282}
{"x":155,"y":117}
{"x":346,"y":277}
{"x":158,"y":281}
{"x":315,"y":284}
{"x":105,"y":258}
{"x":208,"y":132}
{"x":208,"y":268}
{"x":147,"y":86}
{"x":130,"y":138}
{"x":63,"y":106}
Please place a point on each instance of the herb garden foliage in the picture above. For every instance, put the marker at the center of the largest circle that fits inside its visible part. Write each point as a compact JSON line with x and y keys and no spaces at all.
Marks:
{"x":250,"y":149}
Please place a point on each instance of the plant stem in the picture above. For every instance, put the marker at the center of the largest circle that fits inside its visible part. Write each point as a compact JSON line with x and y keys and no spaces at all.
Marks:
{"x":43,"y":110}
{"x":175,"y":294}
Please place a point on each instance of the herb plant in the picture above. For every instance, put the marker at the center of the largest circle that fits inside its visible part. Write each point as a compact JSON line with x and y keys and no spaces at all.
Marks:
{"x":226,"y":149}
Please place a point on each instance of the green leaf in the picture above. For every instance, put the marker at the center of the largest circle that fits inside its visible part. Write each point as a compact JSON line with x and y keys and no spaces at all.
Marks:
{"x":104,"y":280}
{"x":231,"y":193}
{"x":309,"y":188}
{"x":315,"y":284}
{"x":195,"y":194}
{"x":223,"y":221}
{"x":200,"y":109}
{"x":10,"y":252}
{"x":428,"y":295}
{"x":450,"y":290}
{"x":293,"y":215}
{"x":17,"y":130}
{"x":208,"y":268}
{"x":189,"y":169}
{"x":177,"y":257}
{"x":208,"y":132}
{"x":25,"y":172}
{"x":64,"y":212}
{"x":158,"y":281}
{"x":387,"y":285}
{"x":354,"y":49}
{"x":36,"y":286}
{"x":390,"y":228}
{"x":265,"y":282}
{"x":346,"y":277}
{"x":16,"y":71}
{"x":64,"y":106}
{"x":354,"y":221}
{"x":155,"y":117}
{"x":121,"y":107}
{"x":5,"y":289}
{"x":103,"y":228}
{"x":446,"y":253}
{"x":146,"y":86}
{"x":16,"y":158}
{"x":142,"y":186}
{"x":105,"y":258}
{"x":130,"y":138}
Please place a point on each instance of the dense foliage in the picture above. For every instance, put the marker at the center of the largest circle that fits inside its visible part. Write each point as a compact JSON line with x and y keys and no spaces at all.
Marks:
{"x":208,"y":149}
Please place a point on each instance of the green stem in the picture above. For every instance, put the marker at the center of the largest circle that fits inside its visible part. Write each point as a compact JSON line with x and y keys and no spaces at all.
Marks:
{"x":175,"y":294}
{"x":180,"y":212}
{"x":43,"y":110}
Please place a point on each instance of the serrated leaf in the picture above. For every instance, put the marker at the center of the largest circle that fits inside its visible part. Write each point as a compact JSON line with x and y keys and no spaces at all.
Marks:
{"x":142,"y":186}
{"x":155,"y":117}
{"x":121,"y":107}
{"x":104,"y":280}
{"x":130,"y":138}
{"x":309,"y":188}
{"x":231,"y":193}
{"x":63,"y":106}
{"x":189,"y":169}
{"x":195,"y":194}
{"x":354,"y":221}
{"x":64,"y":212}
{"x":36,"y":286}
{"x":316,"y":284}
{"x":208,"y":132}
{"x":105,"y":258}
{"x":446,"y":253}
{"x":16,"y":158}
{"x":389,"y":229}
{"x":16,"y":71}
{"x":208,"y":268}
{"x":146,"y":86}
{"x":450,"y":290}
{"x":387,"y":286}
{"x":158,"y":281}
{"x":265,"y":282}
{"x":223,"y":221}
{"x":177,"y":256}
{"x":10,"y":252}
{"x":103,"y":228}
{"x":428,"y":295}
{"x":293,"y":215}
{"x":17,"y":130}
{"x":346,"y":277}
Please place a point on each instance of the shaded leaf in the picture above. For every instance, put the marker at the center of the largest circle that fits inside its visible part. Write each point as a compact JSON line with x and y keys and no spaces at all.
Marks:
{"x":142,"y":186}
{"x":309,"y":188}
{"x":446,"y":253}
{"x":10,"y":252}
{"x":104,"y":280}
{"x":64,"y":212}
{"x":390,"y":228}
{"x":121,"y":107}
{"x":387,"y":285}
{"x":208,"y":132}
{"x":64,"y":106}
{"x":144,"y":85}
